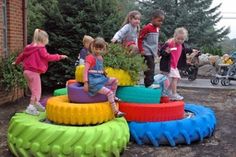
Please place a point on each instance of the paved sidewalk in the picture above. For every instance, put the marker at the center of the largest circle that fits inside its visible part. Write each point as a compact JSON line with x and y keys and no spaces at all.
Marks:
{"x":205,"y":84}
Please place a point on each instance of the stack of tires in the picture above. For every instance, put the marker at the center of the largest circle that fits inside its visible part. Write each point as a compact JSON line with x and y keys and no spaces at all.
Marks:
{"x":74,"y":125}
{"x":155,"y":123}
{"x":170,"y":123}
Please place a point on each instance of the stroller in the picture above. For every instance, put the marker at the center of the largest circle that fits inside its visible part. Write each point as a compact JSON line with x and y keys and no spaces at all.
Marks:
{"x":191,"y":69}
{"x":225,"y":73}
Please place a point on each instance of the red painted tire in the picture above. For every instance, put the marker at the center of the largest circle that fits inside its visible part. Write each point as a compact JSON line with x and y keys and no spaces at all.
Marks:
{"x":173,"y":110}
{"x":165,"y":99}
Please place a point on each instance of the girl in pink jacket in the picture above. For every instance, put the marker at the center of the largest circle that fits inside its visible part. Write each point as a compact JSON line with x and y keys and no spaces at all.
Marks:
{"x":35,"y":60}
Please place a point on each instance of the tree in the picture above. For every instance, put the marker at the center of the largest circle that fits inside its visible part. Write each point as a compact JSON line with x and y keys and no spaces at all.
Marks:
{"x":196,"y":16}
{"x":36,"y":17}
{"x":68,"y":21}
{"x":228,"y":45}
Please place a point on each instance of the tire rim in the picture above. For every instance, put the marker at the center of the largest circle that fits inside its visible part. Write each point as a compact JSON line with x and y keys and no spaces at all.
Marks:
{"x":188,"y":114}
{"x":227,"y":82}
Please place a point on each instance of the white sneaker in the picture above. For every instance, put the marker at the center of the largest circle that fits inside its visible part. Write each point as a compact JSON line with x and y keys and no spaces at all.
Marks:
{"x":180,"y":95}
{"x":154,"y":86}
{"x":39,"y":107}
{"x":176,"y":97}
{"x":31,"y":110}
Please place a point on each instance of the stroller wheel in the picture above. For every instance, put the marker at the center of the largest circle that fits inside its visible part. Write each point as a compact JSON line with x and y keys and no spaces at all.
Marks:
{"x":214,"y":81}
{"x":225,"y":82}
{"x":222,"y":82}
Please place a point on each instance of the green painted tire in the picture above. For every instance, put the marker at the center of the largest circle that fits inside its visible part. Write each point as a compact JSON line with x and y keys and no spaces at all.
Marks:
{"x":59,"y":92}
{"x":139,"y":94}
{"x":29,"y":136}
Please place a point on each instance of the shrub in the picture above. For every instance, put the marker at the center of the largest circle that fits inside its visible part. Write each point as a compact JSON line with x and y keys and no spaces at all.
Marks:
{"x":11,"y":76}
{"x":119,"y":57}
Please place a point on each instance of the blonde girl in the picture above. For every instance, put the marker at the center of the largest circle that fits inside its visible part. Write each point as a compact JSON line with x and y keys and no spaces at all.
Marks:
{"x":173,"y":58}
{"x":35,"y":60}
{"x":95,"y":80}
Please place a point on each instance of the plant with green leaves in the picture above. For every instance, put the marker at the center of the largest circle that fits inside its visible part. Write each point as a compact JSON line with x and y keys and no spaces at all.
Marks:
{"x":11,"y":76}
{"x":120,"y":57}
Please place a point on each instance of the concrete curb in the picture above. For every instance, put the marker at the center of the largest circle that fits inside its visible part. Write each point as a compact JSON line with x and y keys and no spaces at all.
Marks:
{"x":204,"y":84}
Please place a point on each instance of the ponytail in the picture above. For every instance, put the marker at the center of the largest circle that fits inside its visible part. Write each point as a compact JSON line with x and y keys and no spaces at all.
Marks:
{"x":40,"y":37}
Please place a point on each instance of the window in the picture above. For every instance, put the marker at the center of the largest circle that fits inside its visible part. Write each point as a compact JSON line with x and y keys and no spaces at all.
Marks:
{"x":4,"y":11}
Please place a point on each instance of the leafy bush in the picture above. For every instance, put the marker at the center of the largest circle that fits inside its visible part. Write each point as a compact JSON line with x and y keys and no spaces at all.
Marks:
{"x":11,"y":76}
{"x":119,"y":57}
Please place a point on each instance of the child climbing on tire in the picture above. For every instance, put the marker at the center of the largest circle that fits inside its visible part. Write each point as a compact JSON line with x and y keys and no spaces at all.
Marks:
{"x":173,"y":58}
{"x":148,"y":46}
{"x":35,"y":60}
{"x":94,"y":75}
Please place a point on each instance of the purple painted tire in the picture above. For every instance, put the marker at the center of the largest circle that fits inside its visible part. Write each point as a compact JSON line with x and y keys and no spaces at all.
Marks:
{"x":76,"y":94}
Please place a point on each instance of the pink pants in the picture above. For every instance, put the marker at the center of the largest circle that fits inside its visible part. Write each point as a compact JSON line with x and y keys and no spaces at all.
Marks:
{"x":34,"y":84}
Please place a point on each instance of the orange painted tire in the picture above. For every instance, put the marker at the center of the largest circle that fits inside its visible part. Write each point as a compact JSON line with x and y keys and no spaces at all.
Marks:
{"x":173,"y":110}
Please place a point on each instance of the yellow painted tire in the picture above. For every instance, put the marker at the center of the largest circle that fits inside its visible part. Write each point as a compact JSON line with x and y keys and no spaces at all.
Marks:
{"x":61,"y":111}
{"x":122,"y":76}
{"x":79,"y":73}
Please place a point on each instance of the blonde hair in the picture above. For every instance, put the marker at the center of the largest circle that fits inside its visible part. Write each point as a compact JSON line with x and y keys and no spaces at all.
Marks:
{"x":130,"y":16}
{"x":98,"y":42}
{"x":181,"y":30}
{"x":40,"y":37}
{"x":87,"y":39}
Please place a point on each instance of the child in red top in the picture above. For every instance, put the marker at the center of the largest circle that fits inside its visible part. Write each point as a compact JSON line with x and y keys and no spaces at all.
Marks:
{"x":35,"y":60}
{"x":148,"y":45}
{"x":94,"y":75}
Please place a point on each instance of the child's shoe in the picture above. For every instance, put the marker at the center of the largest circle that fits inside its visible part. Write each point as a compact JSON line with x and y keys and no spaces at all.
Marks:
{"x":119,"y":114}
{"x":154,"y":86}
{"x":39,"y":107}
{"x":176,"y":97}
{"x":32,"y":110}
{"x":117,"y":99}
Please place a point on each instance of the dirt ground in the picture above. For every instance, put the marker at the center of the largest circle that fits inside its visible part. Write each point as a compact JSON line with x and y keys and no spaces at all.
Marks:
{"x":222,"y":144}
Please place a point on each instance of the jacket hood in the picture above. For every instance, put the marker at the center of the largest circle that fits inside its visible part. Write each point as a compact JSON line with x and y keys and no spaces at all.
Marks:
{"x":29,"y":49}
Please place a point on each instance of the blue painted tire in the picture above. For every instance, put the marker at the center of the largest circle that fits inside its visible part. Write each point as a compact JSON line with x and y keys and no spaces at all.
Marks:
{"x":139,"y":94}
{"x":171,"y":133}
